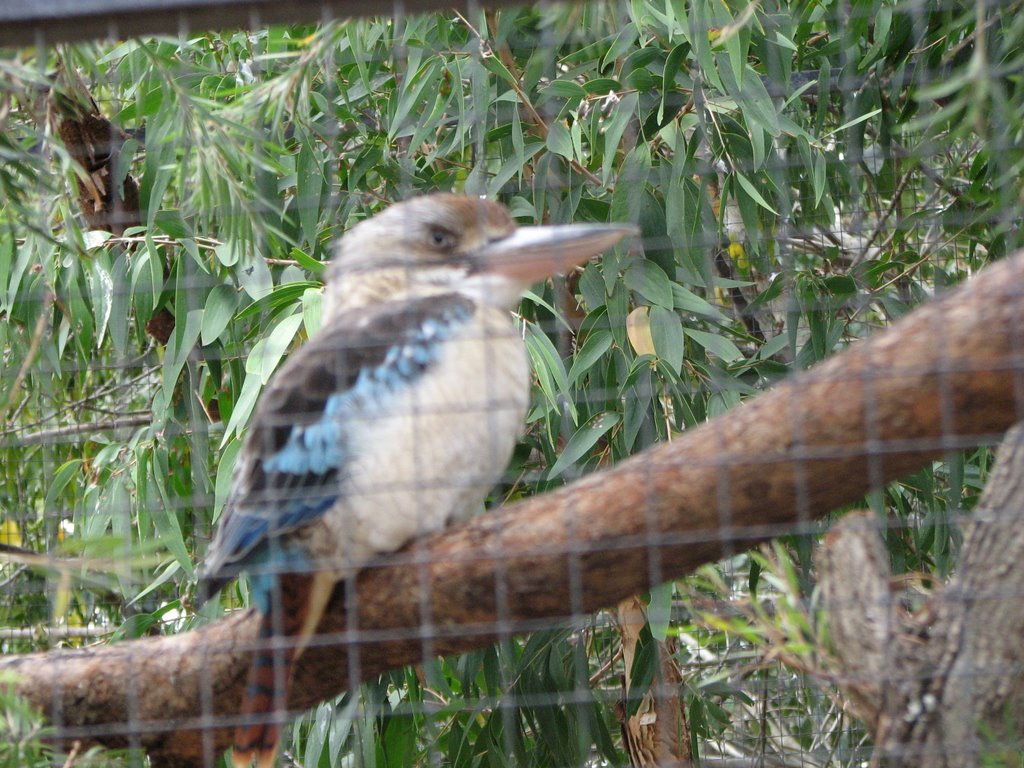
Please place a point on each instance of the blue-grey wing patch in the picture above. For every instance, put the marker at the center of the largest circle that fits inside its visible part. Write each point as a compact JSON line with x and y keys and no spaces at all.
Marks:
{"x":292,"y":465}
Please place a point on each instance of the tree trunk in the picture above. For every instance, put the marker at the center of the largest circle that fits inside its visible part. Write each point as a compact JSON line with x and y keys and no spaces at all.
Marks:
{"x":654,"y":727}
{"x":942,"y":688}
{"x":108,"y":195}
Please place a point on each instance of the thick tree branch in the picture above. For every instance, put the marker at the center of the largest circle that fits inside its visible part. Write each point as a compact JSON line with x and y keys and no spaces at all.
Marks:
{"x":948,"y":375}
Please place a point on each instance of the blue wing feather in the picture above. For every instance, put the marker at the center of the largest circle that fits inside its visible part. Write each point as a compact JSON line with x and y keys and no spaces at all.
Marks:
{"x":292,"y":466}
{"x":313,"y":448}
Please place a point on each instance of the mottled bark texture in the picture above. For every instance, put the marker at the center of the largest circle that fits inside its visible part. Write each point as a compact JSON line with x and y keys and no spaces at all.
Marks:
{"x":948,"y":375}
{"x":108,"y":195}
{"x":942,"y":688}
{"x":655,"y":731}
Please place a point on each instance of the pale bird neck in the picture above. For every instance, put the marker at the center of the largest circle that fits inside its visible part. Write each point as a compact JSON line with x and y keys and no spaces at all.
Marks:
{"x":356,"y":290}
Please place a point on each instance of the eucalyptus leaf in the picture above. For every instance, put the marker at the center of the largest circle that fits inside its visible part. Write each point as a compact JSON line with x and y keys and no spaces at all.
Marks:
{"x":593,"y":349}
{"x":715,"y":344}
{"x":651,"y":282}
{"x":667,"y":334}
{"x":276,"y":344}
{"x":254,"y":277}
{"x":583,"y":440}
{"x":220,"y":308}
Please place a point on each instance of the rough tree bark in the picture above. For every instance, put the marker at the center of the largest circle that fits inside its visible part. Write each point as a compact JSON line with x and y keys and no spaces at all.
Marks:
{"x":946,"y":376}
{"x":943,"y":687}
{"x":655,"y":730}
{"x":108,"y":195}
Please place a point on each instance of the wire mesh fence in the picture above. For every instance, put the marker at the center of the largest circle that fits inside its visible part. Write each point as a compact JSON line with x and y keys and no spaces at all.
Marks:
{"x":661,"y":576}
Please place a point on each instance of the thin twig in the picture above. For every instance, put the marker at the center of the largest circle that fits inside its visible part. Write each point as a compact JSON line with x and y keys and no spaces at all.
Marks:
{"x":605,"y":668}
{"x":73,"y":754}
{"x":505,"y":56}
{"x":13,"y":576}
{"x":84,"y":402}
{"x":205,"y":243}
{"x":48,"y":435}
{"x":53,"y":633}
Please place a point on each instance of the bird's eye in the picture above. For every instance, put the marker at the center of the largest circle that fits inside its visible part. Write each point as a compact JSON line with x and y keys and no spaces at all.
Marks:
{"x":442,"y":239}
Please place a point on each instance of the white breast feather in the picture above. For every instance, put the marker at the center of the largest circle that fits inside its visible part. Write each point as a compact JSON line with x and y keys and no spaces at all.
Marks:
{"x":434,"y":449}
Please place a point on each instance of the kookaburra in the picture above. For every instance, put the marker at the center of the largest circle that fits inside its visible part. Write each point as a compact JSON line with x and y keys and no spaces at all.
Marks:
{"x":392,"y":421}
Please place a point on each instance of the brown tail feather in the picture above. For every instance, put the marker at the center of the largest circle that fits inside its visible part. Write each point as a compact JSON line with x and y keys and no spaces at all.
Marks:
{"x":257,"y":738}
{"x":266,"y":691}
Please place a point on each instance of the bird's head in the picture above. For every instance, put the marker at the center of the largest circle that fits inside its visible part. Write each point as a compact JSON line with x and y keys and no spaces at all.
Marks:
{"x":444,"y":242}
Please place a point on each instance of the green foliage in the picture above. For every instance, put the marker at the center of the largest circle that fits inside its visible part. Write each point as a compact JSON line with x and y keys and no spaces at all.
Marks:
{"x":802,"y":174}
{"x":21,"y":735}
{"x":23,"y":740}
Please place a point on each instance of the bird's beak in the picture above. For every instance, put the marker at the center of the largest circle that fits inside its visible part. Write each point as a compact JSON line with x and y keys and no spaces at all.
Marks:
{"x":532,"y":253}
